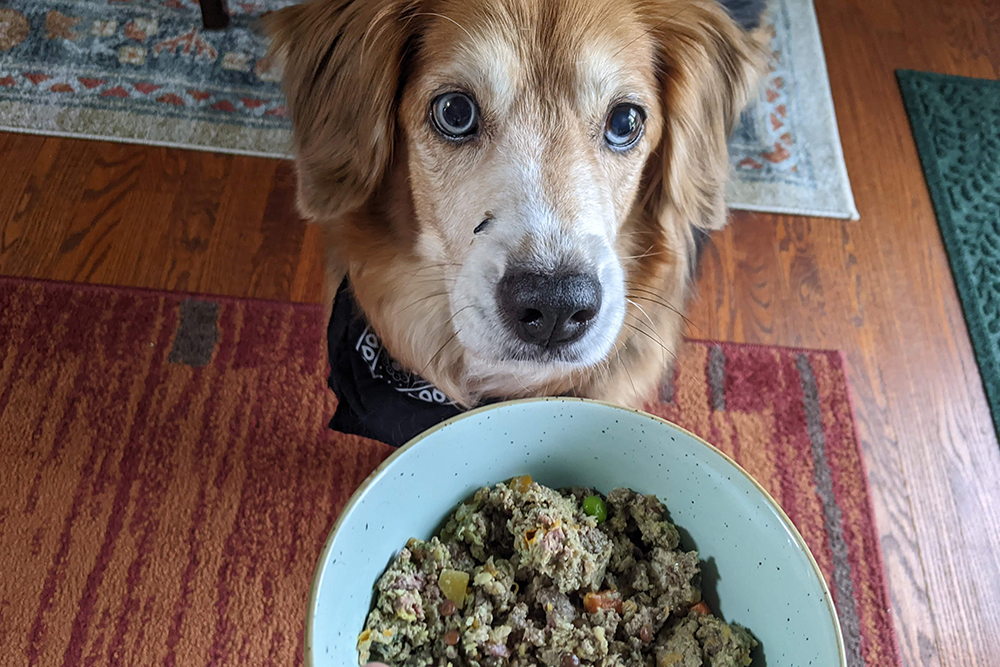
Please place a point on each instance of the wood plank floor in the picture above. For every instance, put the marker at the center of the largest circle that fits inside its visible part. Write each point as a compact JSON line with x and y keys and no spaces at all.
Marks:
{"x":879,"y":289}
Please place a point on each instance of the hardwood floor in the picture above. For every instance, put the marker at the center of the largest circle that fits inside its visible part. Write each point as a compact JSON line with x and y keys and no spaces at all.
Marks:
{"x":879,"y":289}
{"x":154,"y":217}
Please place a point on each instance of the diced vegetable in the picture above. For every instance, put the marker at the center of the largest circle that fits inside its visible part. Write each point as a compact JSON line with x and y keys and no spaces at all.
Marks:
{"x":701,"y":608}
{"x":520,"y":484}
{"x":593,"y":602}
{"x":596,"y":507}
{"x":451,"y":637}
{"x":454,"y":584}
{"x":365,"y":644}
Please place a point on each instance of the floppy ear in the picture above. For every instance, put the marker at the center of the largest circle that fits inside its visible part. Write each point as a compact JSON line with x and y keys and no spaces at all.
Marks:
{"x":342,"y":63}
{"x":709,"y":71}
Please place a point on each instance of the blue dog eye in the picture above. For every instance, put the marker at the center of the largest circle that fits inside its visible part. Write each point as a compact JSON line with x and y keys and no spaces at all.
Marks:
{"x":455,"y":115}
{"x":624,"y":125}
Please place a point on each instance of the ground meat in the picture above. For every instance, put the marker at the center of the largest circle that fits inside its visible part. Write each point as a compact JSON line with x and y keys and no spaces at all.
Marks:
{"x":724,"y":645}
{"x":672,"y":576}
{"x":549,"y":587}
{"x":677,"y":645}
{"x":559,"y":610}
{"x":702,"y":640}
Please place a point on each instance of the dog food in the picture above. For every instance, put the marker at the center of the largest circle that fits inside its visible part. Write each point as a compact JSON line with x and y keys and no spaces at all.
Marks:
{"x":526,"y":576}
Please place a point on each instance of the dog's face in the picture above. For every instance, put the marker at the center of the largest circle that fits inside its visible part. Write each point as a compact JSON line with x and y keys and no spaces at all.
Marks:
{"x":510,"y":163}
{"x":526,"y":140}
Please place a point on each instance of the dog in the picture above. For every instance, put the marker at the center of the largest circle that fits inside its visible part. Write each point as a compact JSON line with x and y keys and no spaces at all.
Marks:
{"x":512,"y":191}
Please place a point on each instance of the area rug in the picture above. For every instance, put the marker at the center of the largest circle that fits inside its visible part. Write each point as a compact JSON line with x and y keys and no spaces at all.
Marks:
{"x":145,"y":72}
{"x":786,"y":153}
{"x":956,"y":124}
{"x":169,"y":481}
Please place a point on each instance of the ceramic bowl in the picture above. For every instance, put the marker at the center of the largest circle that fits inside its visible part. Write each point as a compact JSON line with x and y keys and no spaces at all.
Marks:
{"x":756,"y":567}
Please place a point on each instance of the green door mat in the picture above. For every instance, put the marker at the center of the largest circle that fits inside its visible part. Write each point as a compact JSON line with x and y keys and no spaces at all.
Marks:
{"x":956,"y":123}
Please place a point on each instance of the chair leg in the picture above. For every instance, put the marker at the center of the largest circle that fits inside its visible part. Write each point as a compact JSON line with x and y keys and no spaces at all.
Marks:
{"x":214,"y":15}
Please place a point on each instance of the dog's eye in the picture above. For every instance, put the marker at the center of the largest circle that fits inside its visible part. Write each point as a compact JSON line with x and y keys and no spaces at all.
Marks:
{"x":623,"y":126}
{"x":455,"y":115}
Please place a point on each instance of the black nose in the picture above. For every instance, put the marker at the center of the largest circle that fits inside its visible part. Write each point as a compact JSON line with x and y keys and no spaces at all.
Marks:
{"x":549,"y":310}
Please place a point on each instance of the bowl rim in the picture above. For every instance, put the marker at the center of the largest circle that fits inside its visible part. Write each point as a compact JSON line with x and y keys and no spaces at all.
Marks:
{"x":372,"y":477}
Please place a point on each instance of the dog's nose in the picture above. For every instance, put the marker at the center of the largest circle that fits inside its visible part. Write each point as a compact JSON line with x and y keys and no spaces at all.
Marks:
{"x":549,"y":309}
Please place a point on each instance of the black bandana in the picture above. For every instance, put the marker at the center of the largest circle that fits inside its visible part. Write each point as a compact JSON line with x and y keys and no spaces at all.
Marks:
{"x":378,"y":398}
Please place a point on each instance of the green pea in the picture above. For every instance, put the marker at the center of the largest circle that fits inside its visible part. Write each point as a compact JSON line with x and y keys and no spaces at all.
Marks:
{"x":595,"y":507}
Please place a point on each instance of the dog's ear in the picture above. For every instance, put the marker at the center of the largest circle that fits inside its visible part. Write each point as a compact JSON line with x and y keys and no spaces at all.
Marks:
{"x":709,"y":69}
{"x":342,"y":63}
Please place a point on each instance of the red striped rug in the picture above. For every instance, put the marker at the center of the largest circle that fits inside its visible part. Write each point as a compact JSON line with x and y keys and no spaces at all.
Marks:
{"x":168,"y":481}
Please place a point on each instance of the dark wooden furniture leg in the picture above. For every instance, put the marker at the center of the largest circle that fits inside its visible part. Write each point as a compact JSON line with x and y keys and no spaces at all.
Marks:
{"x":214,"y":15}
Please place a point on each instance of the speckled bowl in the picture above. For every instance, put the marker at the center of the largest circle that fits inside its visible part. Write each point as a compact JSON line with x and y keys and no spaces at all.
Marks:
{"x":757,"y":568}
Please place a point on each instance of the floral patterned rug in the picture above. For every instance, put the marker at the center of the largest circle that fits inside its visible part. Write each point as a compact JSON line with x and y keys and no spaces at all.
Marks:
{"x":143,"y":71}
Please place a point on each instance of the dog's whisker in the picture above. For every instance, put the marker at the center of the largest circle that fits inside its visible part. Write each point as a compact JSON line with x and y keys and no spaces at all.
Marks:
{"x":663,"y":304}
{"x":652,"y":330}
{"x":627,"y":373}
{"x":422,"y":299}
{"x":442,"y":16}
{"x":657,"y":339}
{"x":643,"y":256}
{"x":650,"y":30}
{"x":447,"y":284}
{"x":431,"y":267}
{"x":608,"y":370}
{"x":646,"y":253}
{"x":364,"y":39}
{"x":641,"y":284}
{"x":519,"y":381}
{"x":428,"y":276}
{"x":440,"y":350}
{"x":604,"y":368}
{"x":627,"y":235}
{"x":649,"y":295}
{"x":455,"y":314}
{"x":652,"y":297}
{"x":437,"y":264}
{"x":643,"y":311}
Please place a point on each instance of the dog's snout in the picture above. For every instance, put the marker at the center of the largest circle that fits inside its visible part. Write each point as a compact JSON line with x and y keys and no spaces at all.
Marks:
{"x":549,"y":310}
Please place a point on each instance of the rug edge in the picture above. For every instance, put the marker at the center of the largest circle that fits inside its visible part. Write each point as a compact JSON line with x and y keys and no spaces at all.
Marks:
{"x":763,"y":346}
{"x":851,"y":215}
{"x":46,"y":132}
{"x":883,"y":572}
{"x":827,"y":91}
{"x":153,"y":291}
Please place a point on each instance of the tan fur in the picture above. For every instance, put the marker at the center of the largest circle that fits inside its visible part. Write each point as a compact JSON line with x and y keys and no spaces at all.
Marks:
{"x":399,"y":204}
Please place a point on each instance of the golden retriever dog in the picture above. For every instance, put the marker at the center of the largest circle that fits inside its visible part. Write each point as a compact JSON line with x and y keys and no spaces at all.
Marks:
{"x":513,"y":188}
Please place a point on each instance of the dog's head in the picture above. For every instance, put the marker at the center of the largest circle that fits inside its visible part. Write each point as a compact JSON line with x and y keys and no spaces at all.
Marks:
{"x":499,"y":175}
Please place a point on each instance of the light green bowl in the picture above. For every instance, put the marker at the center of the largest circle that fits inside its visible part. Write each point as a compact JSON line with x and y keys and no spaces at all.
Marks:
{"x":757,"y":568}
